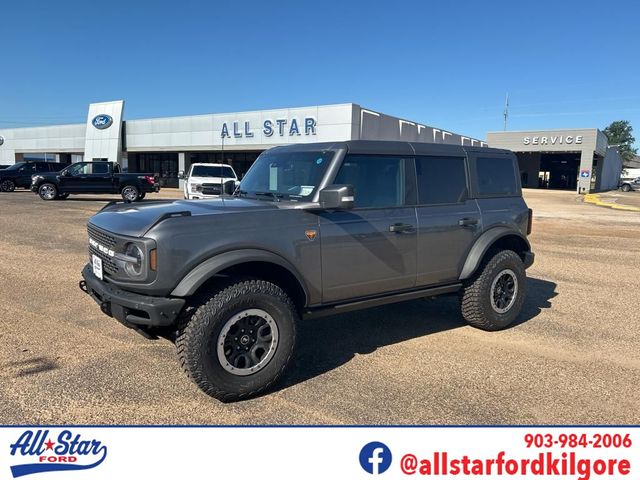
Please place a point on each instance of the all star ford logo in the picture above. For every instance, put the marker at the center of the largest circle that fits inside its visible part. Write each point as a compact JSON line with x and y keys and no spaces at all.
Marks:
{"x":37,"y":451}
{"x":102,"y":121}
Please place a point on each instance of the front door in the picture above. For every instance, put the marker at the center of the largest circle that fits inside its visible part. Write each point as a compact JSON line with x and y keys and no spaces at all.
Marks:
{"x":371,"y":249}
{"x":87,"y":177}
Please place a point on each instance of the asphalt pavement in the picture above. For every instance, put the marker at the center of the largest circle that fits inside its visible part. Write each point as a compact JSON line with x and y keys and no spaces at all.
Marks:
{"x":572,"y":357}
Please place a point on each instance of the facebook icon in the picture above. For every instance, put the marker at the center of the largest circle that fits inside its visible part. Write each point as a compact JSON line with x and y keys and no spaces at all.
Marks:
{"x":375,"y":458}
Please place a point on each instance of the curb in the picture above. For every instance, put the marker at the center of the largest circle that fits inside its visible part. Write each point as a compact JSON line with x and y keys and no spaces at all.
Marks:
{"x":595,"y":199}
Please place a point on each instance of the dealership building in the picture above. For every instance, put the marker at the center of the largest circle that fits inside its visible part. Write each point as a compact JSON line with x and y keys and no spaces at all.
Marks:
{"x":579,"y":160}
{"x":168,"y":145}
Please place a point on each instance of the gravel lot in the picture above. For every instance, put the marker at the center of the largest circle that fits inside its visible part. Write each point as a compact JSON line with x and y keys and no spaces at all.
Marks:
{"x":573,"y":357}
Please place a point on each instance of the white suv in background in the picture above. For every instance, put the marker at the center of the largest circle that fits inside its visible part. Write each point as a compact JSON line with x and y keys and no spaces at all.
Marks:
{"x":207,"y":180}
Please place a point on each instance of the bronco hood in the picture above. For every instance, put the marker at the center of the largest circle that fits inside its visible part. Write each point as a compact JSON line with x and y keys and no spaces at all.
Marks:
{"x":135,"y":219}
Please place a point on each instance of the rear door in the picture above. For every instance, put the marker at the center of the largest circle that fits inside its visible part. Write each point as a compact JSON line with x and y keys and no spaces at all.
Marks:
{"x":449,"y":221}
{"x":100,"y":179}
{"x":371,"y":249}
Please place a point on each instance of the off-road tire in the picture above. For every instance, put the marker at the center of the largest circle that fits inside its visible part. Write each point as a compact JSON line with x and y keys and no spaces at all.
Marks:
{"x":48,"y":191}
{"x":8,"y":186}
{"x":130,"y":193}
{"x":625,"y":188}
{"x":475,"y":300}
{"x":200,"y":327}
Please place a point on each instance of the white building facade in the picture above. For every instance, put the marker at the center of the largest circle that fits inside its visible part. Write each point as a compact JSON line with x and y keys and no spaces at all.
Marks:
{"x":168,"y":145}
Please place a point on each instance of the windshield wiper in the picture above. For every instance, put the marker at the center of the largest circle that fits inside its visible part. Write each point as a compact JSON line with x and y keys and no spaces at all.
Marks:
{"x":275,"y":196}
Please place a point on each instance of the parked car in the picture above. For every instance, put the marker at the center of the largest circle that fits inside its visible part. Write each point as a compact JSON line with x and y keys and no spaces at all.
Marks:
{"x":208,"y":180}
{"x":19,"y":174}
{"x":94,"y":177}
{"x":628,"y":184}
{"x":313,"y":230}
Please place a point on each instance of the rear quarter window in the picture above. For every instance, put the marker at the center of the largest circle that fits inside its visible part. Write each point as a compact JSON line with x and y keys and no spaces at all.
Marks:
{"x":496,"y":176}
{"x":441,"y":180}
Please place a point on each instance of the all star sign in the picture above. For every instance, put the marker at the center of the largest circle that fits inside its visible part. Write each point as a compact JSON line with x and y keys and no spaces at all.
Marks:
{"x":270,"y":127}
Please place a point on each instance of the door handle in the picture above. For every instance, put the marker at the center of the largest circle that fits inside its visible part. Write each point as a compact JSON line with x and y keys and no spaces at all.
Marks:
{"x":401,"y":228}
{"x":468,"y":222}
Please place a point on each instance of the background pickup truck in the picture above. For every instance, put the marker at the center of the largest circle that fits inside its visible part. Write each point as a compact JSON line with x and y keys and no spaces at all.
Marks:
{"x":628,"y":184}
{"x":94,"y":177}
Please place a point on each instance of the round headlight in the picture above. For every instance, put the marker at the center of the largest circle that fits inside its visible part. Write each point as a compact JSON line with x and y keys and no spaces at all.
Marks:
{"x":134,"y":269}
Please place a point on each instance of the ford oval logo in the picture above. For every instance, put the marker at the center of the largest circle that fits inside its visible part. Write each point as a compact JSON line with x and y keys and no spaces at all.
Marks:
{"x":102,"y":121}
{"x":1,"y":139}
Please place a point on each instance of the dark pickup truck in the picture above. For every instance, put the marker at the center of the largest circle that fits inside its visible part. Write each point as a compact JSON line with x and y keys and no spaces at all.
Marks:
{"x":94,"y":177}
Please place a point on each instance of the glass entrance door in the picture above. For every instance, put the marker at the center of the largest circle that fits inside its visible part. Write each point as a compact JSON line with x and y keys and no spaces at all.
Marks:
{"x":165,"y":165}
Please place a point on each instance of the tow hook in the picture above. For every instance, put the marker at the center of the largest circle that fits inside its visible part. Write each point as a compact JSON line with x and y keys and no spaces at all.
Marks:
{"x":83,"y":286}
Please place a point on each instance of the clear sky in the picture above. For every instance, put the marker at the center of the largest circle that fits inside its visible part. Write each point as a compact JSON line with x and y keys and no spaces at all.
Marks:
{"x":565,"y":64}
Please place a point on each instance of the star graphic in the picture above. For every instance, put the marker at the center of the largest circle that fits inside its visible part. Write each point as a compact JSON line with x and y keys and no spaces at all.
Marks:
{"x":49,"y":444}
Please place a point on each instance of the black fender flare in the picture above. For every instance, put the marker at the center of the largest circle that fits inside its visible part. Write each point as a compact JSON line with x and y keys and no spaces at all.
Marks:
{"x":483,"y":244}
{"x":210,"y":267}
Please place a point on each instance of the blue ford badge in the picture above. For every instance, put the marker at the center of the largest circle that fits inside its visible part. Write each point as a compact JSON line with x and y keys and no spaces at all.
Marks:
{"x":102,"y":121}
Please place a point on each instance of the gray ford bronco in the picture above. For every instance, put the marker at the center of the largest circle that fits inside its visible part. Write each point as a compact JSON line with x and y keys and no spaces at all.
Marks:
{"x":312,"y":230}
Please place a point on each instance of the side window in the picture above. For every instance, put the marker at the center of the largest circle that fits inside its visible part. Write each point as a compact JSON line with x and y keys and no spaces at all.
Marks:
{"x":378,"y":181}
{"x":80,"y":169}
{"x":42,"y":167}
{"x":496,"y":176}
{"x":100,"y":168}
{"x":441,"y":180}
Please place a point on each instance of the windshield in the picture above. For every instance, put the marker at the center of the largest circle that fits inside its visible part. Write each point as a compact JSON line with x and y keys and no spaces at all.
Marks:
{"x":292,"y":175}
{"x":16,"y":166}
{"x":212,"y":171}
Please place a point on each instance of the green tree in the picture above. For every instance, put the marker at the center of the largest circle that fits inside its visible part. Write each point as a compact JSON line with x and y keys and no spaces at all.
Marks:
{"x":620,"y":133}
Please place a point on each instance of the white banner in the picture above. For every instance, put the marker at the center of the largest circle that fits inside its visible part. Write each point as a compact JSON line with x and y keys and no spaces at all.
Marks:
{"x":571,"y":453}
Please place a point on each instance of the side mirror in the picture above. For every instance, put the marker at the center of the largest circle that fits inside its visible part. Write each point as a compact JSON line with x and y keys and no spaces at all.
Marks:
{"x":181,"y":175}
{"x":337,"y":197}
{"x":229,"y":187}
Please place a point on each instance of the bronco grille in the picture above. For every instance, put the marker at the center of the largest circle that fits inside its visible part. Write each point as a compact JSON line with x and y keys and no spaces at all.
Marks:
{"x":107,"y":262}
{"x":105,"y":240}
{"x":101,"y":237}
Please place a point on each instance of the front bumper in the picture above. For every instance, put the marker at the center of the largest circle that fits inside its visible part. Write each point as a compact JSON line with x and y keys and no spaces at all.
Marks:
{"x":131,"y":309}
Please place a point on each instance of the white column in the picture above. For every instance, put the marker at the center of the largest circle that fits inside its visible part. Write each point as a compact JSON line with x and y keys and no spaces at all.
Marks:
{"x":181,"y":167}
{"x":586,"y":165}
